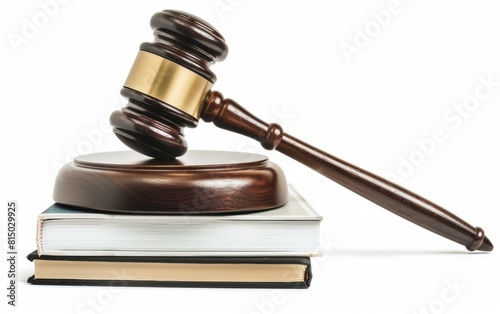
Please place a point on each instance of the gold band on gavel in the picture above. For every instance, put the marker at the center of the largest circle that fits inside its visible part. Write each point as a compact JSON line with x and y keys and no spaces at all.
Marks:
{"x":169,"y":82}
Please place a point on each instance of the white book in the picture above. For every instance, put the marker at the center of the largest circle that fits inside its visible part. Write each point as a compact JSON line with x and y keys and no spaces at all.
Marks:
{"x":290,"y":230}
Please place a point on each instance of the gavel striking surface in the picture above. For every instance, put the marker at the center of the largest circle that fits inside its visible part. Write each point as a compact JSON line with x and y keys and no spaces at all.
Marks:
{"x":200,"y":182}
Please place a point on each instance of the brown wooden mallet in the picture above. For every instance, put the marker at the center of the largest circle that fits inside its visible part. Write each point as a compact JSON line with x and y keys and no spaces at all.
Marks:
{"x":169,"y":88}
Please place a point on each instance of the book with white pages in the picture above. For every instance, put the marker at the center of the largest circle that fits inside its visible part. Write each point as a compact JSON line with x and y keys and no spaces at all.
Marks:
{"x":290,"y":230}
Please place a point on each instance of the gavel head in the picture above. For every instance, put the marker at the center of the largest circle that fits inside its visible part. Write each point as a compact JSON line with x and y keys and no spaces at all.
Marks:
{"x":168,"y":84}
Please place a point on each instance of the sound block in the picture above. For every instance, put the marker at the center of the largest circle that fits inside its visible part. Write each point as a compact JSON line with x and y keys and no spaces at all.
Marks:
{"x":200,"y":182}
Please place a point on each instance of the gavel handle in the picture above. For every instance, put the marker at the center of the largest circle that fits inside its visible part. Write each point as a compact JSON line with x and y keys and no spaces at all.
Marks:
{"x":227,"y":114}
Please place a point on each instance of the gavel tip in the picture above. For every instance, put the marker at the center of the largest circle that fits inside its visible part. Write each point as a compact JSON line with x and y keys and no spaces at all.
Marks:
{"x":480,"y":241}
{"x":486,"y":245}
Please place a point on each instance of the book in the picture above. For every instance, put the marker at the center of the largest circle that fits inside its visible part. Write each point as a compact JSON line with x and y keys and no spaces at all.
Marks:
{"x":215,"y":272}
{"x":290,"y":230}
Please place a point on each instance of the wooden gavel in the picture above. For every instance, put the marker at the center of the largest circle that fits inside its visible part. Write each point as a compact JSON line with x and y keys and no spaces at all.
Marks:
{"x":169,"y":88}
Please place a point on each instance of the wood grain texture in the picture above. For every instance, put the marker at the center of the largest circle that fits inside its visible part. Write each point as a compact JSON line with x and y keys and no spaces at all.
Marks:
{"x":149,"y":125}
{"x":229,"y":115}
{"x":194,"y":44}
{"x":201,"y":182}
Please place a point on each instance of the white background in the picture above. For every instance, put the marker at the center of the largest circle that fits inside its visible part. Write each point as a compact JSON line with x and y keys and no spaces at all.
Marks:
{"x":410,"y":66}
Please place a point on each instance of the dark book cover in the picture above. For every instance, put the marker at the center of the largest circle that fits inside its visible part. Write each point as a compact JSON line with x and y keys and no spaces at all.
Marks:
{"x":303,"y":283}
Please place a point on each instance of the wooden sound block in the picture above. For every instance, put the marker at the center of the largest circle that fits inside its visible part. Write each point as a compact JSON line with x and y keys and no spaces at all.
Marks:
{"x":200,"y":182}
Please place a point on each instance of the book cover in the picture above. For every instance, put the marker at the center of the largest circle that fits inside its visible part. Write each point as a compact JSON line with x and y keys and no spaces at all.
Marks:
{"x":292,"y":230}
{"x":180,"y":271}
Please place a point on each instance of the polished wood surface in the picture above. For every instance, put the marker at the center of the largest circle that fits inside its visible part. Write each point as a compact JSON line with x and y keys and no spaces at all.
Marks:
{"x":200,"y":182}
{"x":227,"y":114}
{"x":151,"y":126}
{"x":155,"y":129}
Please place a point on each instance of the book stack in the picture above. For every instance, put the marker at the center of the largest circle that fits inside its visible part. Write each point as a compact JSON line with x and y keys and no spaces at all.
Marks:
{"x":263,"y":249}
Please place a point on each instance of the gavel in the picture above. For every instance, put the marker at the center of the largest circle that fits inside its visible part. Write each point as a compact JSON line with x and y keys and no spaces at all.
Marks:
{"x":169,"y":88}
